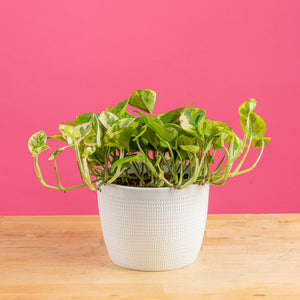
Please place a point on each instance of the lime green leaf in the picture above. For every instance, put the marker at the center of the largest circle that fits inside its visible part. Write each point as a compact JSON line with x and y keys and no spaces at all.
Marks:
{"x":159,"y":128}
{"x":37,"y":143}
{"x":69,"y":131}
{"x":143,"y":100}
{"x":257,"y":126}
{"x":120,"y":132}
{"x":58,"y":151}
{"x":120,"y":109}
{"x":208,"y":128}
{"x":141,"y":157}
{"x":58,"y":137}
{"x":81,"y":118}
{"x":260,"y":142}
{"x":190,"y":148}
{"x":247,"y":107}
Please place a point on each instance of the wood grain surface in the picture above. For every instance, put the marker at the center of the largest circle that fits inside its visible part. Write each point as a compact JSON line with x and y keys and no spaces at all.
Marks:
{"x":64,"y":258}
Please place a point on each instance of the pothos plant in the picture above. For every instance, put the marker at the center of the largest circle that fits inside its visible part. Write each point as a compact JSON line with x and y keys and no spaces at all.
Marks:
{"x":173,"y":149}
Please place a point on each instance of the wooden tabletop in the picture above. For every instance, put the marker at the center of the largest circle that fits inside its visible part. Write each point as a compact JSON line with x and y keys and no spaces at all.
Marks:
{"x":64,"y":258}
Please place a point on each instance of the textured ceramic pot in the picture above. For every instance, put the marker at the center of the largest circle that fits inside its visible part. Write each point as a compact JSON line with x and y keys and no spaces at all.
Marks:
{"x":153,"y":229}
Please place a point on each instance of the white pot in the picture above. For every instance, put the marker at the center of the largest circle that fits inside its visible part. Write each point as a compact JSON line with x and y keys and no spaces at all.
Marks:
{"x":153,"y":229}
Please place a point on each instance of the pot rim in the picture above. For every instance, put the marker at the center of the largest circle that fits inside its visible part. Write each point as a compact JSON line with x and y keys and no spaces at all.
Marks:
{"x":150,"y":188}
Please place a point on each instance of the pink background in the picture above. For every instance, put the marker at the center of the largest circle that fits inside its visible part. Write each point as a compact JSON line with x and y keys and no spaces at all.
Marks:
{"x":60,"y":58}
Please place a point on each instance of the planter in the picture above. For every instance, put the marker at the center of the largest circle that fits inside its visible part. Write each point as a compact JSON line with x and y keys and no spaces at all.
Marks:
{"x":153,"y":229}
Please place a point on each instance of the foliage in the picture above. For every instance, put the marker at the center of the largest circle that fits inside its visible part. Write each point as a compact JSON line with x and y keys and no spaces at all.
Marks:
{"x":174,"y":149}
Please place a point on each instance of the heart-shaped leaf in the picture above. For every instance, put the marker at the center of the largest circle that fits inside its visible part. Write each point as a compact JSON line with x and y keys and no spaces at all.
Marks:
{"x":143,"y":100}
{"x":38,"y":143}
{"x":70,"y":131}
{"x":257,"y":126}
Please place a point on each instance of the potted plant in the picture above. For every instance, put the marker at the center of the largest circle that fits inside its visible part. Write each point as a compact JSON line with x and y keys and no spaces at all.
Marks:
{"x":152,"y":174}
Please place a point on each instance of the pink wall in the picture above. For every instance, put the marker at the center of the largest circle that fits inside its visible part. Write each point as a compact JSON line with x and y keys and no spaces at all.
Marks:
{"x":60,"y":58}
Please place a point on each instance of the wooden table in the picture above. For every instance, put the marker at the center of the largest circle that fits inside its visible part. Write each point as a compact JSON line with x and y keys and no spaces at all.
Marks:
{"x":58,"y":257}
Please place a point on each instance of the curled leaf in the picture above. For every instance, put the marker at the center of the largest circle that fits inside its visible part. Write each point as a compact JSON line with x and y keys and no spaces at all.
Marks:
{"x":261,"y":142}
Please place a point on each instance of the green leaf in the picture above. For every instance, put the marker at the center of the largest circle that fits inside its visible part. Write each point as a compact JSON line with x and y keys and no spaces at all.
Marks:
{"x":259,"y":143}
{"x":143,"y":100}
{"x":58,"y":151}
{"x":173,"y":115}
{"x":38,"y":143}
{"x":191,"y":120}
{"x":151,"y":138}
{"x":247,"y":107}
{"x":158,"y":127}
{"x":120,"y":109}
{"x":190,"y":148}
{"x":108,"y":119}
{"x":58,"y":137}
{"x":120,"y":132}
{"x":257,"y":126}
{"x":84,"y":129}
{"x":141,"y":157}
{"x":80,"y":119}
{"x":208,"y":128}
{"x":69,"y":131}
{"x":142,"y":130}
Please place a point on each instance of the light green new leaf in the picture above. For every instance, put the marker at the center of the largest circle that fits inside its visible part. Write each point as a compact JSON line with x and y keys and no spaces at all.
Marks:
{"x":191,"y":120}
{"x":261,"y":142}
{"x":143,"y":100}
{"x":120,"y":132}
{"x":140,"y":157}
{"x":190,"y":148}
{"x":38,"y":143}
{"x":108,"y":119}
{"x":247,"y":107}
{"x":70,"y":131}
